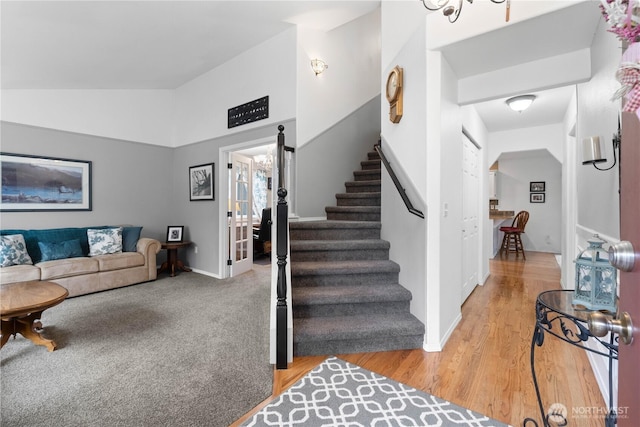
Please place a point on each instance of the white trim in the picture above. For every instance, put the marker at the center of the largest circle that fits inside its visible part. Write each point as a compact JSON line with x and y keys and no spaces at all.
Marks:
{"x":445,"y":337}
{"x":307,"y":218}
{"x":206,"y":273}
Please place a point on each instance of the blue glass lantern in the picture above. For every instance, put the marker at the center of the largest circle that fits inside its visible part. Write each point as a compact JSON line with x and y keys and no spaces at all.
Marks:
{"x":596,"y":279}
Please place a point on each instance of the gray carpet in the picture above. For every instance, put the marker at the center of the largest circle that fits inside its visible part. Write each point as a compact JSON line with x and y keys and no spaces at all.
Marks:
{"x":338,"y":393}
{"x":184,"y":351}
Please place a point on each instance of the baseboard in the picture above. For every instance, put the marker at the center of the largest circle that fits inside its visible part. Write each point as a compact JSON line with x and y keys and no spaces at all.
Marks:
{"x":206,"y":273}
{"x":437,"y":348}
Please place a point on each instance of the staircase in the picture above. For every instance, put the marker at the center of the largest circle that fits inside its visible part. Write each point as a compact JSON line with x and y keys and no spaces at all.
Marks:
{"x":345,"y":292}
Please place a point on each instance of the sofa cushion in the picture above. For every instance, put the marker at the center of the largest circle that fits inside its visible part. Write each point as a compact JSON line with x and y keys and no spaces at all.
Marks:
{"x":13,"y":251}
{"x":19,"y":273}
{"x":119,"y":261}
{"x":60,"y":250}
{"x":130,"y":237}
{"x":50,"y":270}
{"x":104,"y":241}
{"x":32,"y":237}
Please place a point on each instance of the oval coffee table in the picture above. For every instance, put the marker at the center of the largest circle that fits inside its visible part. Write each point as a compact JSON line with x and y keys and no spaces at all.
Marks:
{"x":21,"y":307}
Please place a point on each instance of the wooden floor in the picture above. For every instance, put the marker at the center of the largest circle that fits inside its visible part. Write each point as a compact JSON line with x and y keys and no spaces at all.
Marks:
{"x":485,"y":365}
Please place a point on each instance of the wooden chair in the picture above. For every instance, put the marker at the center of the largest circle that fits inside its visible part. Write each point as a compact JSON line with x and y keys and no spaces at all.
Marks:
{"x":511,"y":242}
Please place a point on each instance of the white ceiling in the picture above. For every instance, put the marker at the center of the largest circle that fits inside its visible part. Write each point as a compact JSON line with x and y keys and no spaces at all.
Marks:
{"x":164,"y":44}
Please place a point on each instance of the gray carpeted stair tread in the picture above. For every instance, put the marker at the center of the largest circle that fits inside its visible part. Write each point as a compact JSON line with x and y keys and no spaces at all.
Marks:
{"x":333,"y":224}
{"x":371,"y":164}
{"x":366,"y":183}
{"x":360,"y":327}
{"x":353,"y":209}
{"x":342,"y":245}
{"x":343,"y":267}
{"x":349,"y":294}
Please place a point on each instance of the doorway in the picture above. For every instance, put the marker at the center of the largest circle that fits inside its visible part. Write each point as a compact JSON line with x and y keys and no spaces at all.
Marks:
{"x":247,"y":181}
{"x":470,"y":216}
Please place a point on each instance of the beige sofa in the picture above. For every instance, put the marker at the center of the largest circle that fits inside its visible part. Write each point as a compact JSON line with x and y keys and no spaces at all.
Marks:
{"x":83,"y":275}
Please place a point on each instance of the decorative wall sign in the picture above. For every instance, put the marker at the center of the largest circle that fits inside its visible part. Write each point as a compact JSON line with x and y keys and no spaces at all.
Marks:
{"x":249,"y":112}
{"x":36,"y":183}
{"x":201,"y":182}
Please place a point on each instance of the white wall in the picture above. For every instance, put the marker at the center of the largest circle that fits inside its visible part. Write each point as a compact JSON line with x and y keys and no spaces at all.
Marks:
{"x":352,"y":52}
{"x":194,"y":112}
{"x":543,"y":232}
{"x":405,"y":144}
{"x":267,"y":69}
{"x":549,"y":137}
{"x":598,"y":207}
{"x":131,"y":115}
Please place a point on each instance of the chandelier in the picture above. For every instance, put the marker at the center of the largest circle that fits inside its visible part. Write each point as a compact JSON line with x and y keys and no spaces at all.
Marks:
{"x":452,"y":10}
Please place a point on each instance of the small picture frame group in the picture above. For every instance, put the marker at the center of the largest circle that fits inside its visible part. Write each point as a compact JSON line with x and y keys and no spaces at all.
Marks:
{"x":537,"y":191}
{"x":174,"y":233}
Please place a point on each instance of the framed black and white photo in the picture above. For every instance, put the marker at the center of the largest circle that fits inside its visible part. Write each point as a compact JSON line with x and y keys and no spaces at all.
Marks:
{"x":536,"y":197}
{"x":537,"y":186}
{"x":174,"y":233}
{"x":37,"y":183}
{"x":201,"y":182}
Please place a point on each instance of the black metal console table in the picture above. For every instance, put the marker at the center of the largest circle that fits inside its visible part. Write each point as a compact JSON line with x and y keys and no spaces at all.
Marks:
{"x":556,"y":315}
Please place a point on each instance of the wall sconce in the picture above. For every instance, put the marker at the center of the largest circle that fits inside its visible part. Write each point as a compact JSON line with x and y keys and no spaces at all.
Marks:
{"x":318,"y":66}
{"x":520,"y":103}
{"x":592,"y":152}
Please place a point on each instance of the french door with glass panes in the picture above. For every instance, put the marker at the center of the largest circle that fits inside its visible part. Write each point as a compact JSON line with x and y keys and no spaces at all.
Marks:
{"x":241,"y":219}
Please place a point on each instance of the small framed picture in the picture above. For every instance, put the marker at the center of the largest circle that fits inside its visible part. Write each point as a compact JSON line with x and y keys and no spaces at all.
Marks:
{"x":174,"y":233}
{"x":537,"y":186}
{"x":536,"y":198}
{"x":201,"y":182}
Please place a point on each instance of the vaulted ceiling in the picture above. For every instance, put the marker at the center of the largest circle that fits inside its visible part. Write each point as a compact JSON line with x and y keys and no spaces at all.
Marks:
{"x":164,"y":44}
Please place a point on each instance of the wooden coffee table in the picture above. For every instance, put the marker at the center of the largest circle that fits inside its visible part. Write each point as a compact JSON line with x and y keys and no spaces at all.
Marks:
{"x":21,"y":307}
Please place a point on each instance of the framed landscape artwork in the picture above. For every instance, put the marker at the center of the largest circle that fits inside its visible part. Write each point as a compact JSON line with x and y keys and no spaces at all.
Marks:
{"x":37,"y":183}
{"x":201,"y":182}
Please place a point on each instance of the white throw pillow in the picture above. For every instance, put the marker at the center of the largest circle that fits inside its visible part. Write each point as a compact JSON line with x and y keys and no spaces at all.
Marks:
{"x":104,"y":241}
{"x":13,"y":251}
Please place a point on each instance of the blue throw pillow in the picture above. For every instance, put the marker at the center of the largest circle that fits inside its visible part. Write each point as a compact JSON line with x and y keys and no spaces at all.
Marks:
{"x":60,"y":250}
{"x":130,"y":237}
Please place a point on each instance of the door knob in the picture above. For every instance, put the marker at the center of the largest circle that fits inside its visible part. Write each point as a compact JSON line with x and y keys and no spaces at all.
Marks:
{"x":600,"y":325}
{"x":622,"y":255}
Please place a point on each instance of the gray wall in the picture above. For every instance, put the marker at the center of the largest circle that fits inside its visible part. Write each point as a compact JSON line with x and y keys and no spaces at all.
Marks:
{"x":201,"y":218}
{"x":326,"y":162}
{"x":131,"y":182}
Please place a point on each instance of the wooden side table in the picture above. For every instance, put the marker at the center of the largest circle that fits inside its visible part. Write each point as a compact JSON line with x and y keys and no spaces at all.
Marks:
{"x":21,"y":307}
{"x":172,"y":261}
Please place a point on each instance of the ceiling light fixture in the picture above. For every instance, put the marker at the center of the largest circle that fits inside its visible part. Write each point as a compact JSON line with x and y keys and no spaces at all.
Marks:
{"x":520,"y":103}
{"x":453,"y":12}
{"x":318,"y":66}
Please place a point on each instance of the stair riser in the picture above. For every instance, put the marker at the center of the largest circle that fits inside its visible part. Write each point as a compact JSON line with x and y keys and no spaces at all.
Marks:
{"x":324,"y":310}
{"x":343,"y":279}
{"x":335,"y":234}
{"x":370,"y":164}
{"x":367,"y":175}
{"x":353,"y":216}
{"x":360,"y":201}
{"x":373,"y":155}
{"x":364,"y":188}
{"x":315,"y":348}
{"x":337,"y":255}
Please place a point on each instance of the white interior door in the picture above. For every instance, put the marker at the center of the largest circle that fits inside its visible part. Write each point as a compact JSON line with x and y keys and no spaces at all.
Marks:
{"x":241,"y":222}
{"x":470,"y":220}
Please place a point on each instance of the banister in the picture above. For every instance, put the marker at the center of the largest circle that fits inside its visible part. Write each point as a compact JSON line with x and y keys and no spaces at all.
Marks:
{"x":282,"y":248}
{"x":396,"y":181}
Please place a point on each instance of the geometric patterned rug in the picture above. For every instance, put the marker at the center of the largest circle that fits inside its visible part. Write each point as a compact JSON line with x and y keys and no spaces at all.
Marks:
{"x":338,"y":393}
